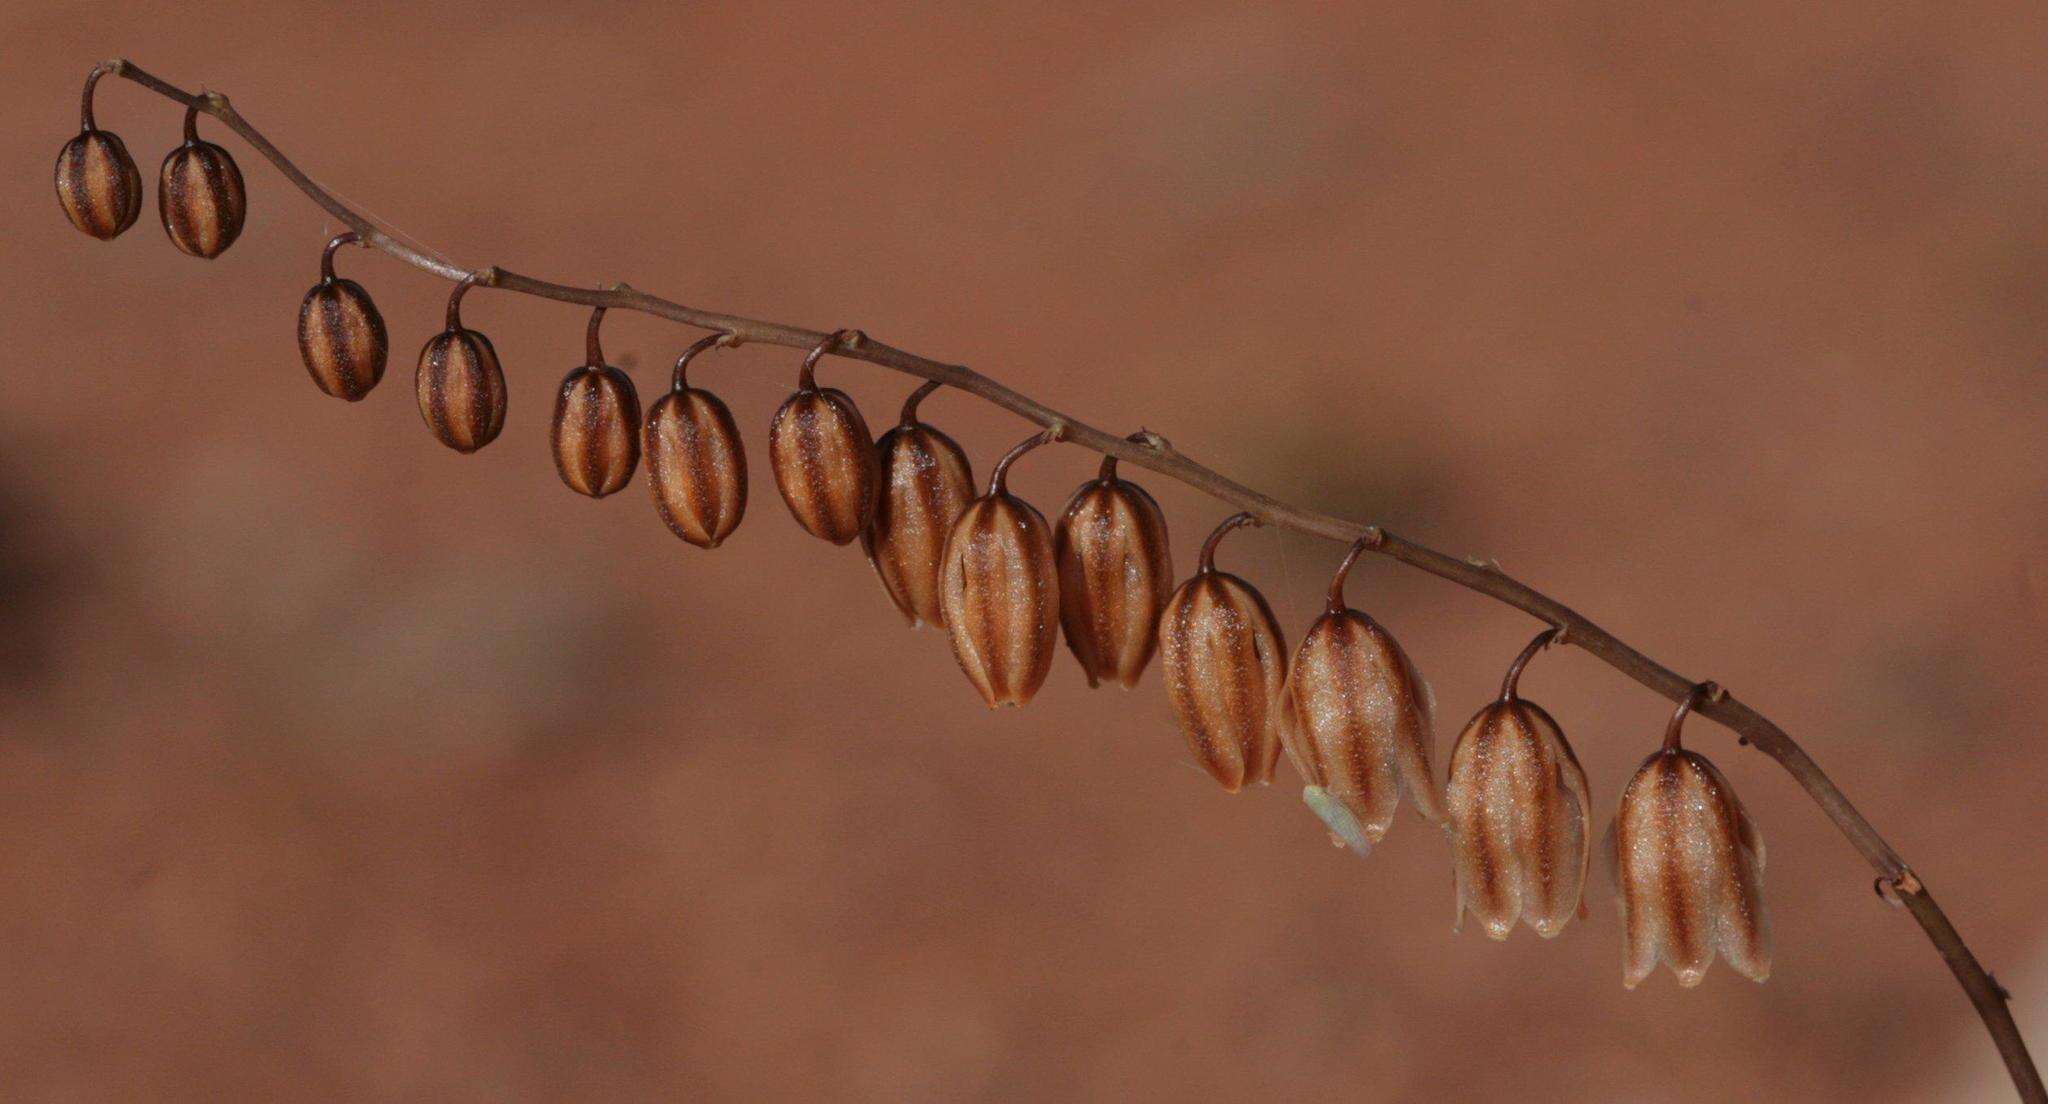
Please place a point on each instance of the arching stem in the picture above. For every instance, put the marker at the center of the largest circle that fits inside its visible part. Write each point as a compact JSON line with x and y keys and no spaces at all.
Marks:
{"x":462,"y":287}
{"x":838,"y":339}
{"x":192,"y":123}
{"x":594,"y":351}
{"x":909,"y":417}
{"x":85,"y":119}
{"x":347,"y":237}
{"x":1510,"y":684}
{"x":683,"y":362}
{"x":1704,"y":692}
{"x":1207,"y":564}
{"x":999,"y":480}
{"x":1359,"y":547}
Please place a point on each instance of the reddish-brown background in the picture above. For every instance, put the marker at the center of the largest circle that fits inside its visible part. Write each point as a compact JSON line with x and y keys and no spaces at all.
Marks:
{"x":337,"y":766}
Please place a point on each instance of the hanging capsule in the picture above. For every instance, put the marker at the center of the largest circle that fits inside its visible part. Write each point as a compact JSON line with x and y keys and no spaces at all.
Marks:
{"x":696,"y":465}
{"x":199,"y":194}
{"x":1116,"y":573}
{"x":459,"y":384}
{"x":1000,"y":591}
{"x":823,"y":455}
{"x":341,"y":334}
{"x":926,"y":483}
{"x":1224,"y":662}
{"x":596,"y":432}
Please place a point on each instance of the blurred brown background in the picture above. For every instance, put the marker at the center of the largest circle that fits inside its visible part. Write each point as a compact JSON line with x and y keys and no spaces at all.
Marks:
{"x":338,"y":766}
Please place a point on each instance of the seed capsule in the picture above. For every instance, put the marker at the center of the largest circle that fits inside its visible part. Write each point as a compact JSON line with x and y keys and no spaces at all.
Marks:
{"x":1689,"y":866}
{"x":999,"y":590}
{"x":199,"y":194}
{"x":341,"y":335}
{"x":98,"y":184}
{"x":1362,"y":726}
{"x":597,"y":423}
{"x":1116,"y":572}
{"x":1518,"y":806}
{"x":696,"y":465}
{"x":1225,"y":662}
{"x":460,"y":386}
{"x":926,"y":484}
{"x":823,"y":455}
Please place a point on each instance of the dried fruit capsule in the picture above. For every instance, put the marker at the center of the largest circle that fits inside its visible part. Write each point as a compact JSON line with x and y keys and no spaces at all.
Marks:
{"x":597,"y":423}
{"x":341,"y":335}
{"x":1518,"y":805}
{"x":926,"y":485}
{"x":1116,"y":572}
{"x":460,"y":386}
{"x":696,"y":465}
{"x":1224,"y":662}
{"x":1689,"y":866}
{"x":98,"y":184}
{"x":999,"y":590}
{"x":823,"y":456}
{"x":199,"y":194}
{"x":1361,"y":728}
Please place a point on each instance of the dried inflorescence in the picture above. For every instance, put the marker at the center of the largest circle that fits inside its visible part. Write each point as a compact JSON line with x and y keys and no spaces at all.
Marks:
{"x":460,"y":385}
{"x":696,"y":464}
{"x":1224,"y":661}
{"x":596,"y":431}
{"x":1350,"y":709}
{"x":341,"y":334}
{"x":1518,"y":807}
{"x":1360,"y":725}
{"x":926,"y":483}
{"x":823,"y":455}
{"x":999,"y":590}
{"x":1116,"y":573}
{"x":1688,"y":868}
{"x":199,"y":194}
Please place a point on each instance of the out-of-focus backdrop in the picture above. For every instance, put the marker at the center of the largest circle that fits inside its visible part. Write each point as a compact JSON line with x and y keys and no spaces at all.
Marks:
{"x":338,"y":766}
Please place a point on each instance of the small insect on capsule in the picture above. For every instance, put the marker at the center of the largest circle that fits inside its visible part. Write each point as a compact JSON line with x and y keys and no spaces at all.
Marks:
{"x":461,"y":388}
{"x":926,"y":485}
{"x":1224,"y":661}
{"x":199,"y":194}
{"x":696,"y":465}
{"x":1000,"y":591}
{"x":597,"y":423}
{"x":823,"y":455}
{"x":98,"y":184}
{"x":1116,"y":573}
{"x":341,"y":335}
{"x":1518,"y":806}
{"x":1361,"y":729}
{"x":1689,"y":866}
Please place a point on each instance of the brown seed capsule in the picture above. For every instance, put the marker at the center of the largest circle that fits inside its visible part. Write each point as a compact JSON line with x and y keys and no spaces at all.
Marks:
{"x":1225,"y":662}
{"x":1116,"y":572}
{"x":696,"y":465}
{"x":1362,"y":729}
{"x":999,"y":590}
{"x":1689,"y":867}
{"x":1518,"y":806}
{"x":597,"y":423}
{"x":460,"y":386}
{"x":98,"y":184}
{"x":926,"y":484}
{"x":199,"y":194}
{"x":823,"y":456}
{"x":341,"y":335}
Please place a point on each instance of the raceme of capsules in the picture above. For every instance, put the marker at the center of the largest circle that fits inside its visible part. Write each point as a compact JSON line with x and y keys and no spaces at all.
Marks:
{"x":1352,"y":712}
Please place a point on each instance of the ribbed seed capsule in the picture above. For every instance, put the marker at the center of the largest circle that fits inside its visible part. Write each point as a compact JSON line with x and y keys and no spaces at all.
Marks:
{"x":1116,"y":572}
{"x":696,"y":465}
{"x":199,"y":194}
{"x":823,"y":455}
{"x":596,"y":433}
{"x":1518,"y":809}
{"x":1224,"y":661}
{"x":341,"y":335}
{"x":98,"y":184}
{"x":1689,"y":868}
{"x":460,"y":386}
{"x":927,"y":483}
{"x":1361,"y":729}
{"x":999,"y":590}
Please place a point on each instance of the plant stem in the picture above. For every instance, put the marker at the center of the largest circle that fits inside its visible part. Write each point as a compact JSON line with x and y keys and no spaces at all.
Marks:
{"x":1153,"y":453}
